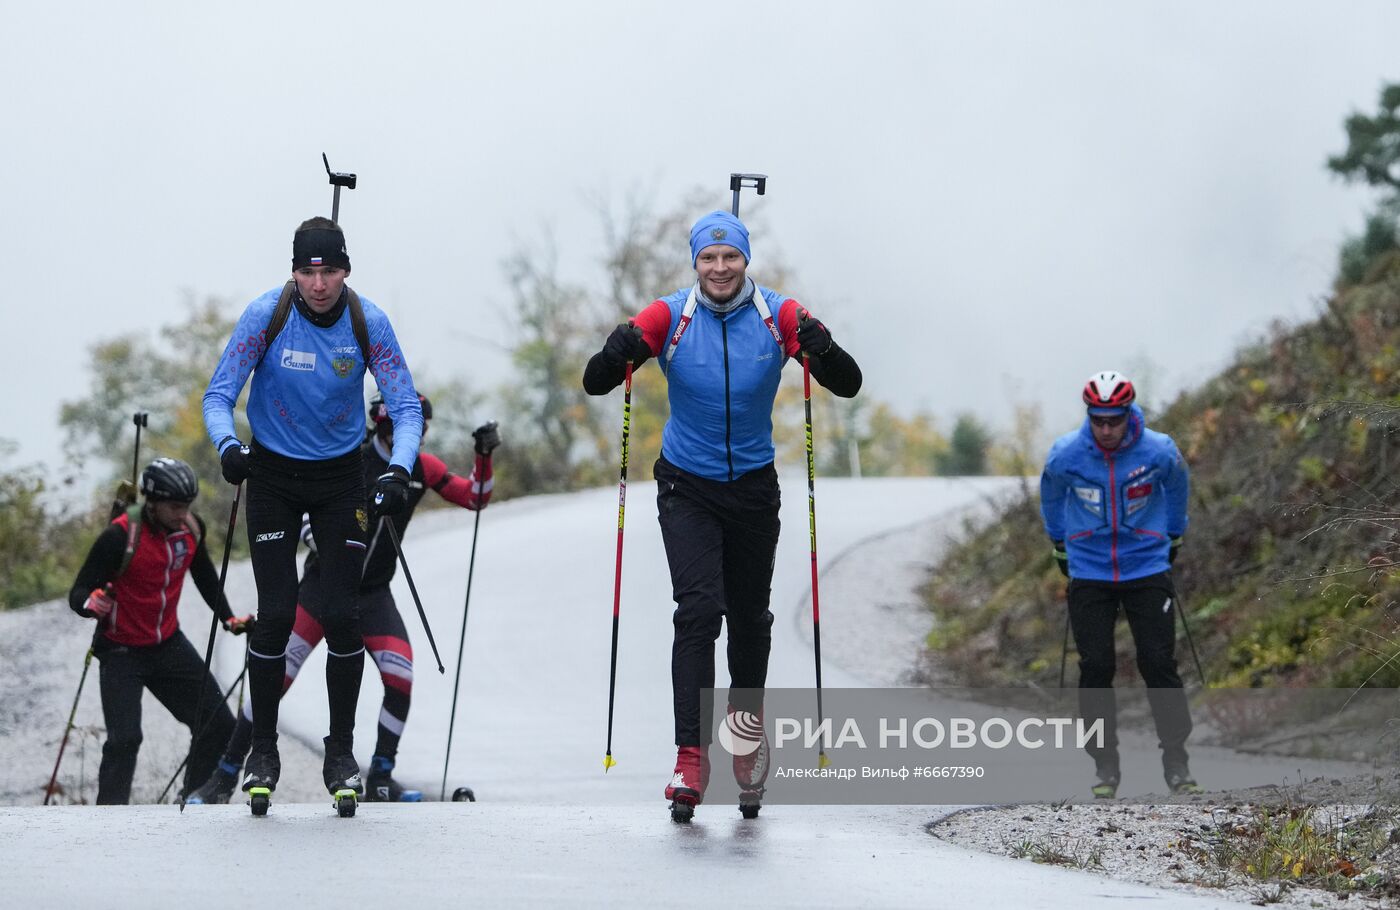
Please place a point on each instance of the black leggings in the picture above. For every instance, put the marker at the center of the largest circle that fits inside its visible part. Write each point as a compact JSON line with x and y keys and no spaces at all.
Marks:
{"x":1150,"y":606}
{"x":720,"y":542}
{"x":175,"y":674}
{"x":332,"y":492}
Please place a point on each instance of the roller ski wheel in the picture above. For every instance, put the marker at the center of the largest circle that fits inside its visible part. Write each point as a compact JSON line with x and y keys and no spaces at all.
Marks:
{"x":346,"y":802}
{"x":1106,"y":787}
{"x":464,"y":795}
{"x":750,"y":802}
{"x":683,"y":806}
{"x":259,"y":799}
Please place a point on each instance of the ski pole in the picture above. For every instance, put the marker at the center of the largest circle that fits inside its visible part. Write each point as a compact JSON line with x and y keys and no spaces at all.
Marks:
{"x":462,"y":639}
{"x":53,"y":778}
{"x":197,"y":728}
{"x":203,"y":729}
{"x":822,"y":760}
{"x":417,"y":602}
{"x":608,"y":760}
{"x":337,"y":180}
{"x":1064,"y":652}
{"x":1181,"y":611}
{"x":139,"y":418}
{"x":758,"y":182}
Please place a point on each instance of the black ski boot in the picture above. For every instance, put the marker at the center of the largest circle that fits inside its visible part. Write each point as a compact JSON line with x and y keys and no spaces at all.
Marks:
{"x":218,"y":788}
{"x":341,"y":774}
{"x":260,"y":773}
{"x":1106,"y":786}
{"x":380,"y":786}
{"x":1177,"y":772}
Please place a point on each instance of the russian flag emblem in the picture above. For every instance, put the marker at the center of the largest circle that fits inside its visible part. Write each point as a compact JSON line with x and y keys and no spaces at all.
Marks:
{"x":315,"y":260}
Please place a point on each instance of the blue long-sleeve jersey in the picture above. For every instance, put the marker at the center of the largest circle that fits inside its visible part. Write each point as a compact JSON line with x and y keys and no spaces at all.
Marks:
{"x":1115,"y":510}
{"x":307,"y":399}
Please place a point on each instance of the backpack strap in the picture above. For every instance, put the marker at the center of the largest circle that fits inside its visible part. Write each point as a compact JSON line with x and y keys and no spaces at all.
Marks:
{"x":688,"y":313}
{"x":133,"y":539}
{"x":283,"y":310}
{"x":278,"y":320}
{"x":358,"y":325}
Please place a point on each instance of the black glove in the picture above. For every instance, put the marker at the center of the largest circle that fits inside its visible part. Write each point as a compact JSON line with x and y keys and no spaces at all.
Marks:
{"x":487,"y":438}
{"x":1061,"y":557}
{"x":233,"y":461}
{"x":1176,"y":548}
{"x":626,"y":343}
{"x":240,"y":625}
{"x":390,"y":493}
{"x":812,"y":336}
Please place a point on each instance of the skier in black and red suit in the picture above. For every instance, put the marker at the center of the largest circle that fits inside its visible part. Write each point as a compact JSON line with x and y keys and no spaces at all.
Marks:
{"x":131,"y":584}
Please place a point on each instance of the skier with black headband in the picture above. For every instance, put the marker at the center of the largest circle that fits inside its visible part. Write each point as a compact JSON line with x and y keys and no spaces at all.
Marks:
{"x":722,"y":344}
{"x":386,"y":636}
{"x":307,"y":346}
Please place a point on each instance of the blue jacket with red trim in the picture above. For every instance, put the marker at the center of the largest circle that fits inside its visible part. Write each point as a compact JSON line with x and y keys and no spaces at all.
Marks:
{"x":721,"y":381}
{"x":1115,"y":510}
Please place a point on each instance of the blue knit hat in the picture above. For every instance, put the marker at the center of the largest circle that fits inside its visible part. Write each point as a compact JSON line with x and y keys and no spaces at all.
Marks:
{"x":716,"y":228}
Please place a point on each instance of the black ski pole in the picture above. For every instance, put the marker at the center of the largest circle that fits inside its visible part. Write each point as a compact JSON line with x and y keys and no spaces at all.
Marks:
{"x":197,"y":727}
{"x":417,"y":601}
{"x":758,"y":182}
{"x":337,"y":180}
{"x":1181,"y":611}
{"x":1064,"y":651}
{"x":53,"y":778}
{"x":202,"y":730}
{"x":462,"y":639}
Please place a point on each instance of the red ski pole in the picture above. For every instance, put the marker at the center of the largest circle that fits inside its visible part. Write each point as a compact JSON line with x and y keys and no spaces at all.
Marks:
{"x":822,"y":760}
{"x":608,"y":760}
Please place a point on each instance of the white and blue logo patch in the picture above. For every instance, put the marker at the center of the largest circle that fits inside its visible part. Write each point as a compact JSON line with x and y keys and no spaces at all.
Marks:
{"x":299,"y":360}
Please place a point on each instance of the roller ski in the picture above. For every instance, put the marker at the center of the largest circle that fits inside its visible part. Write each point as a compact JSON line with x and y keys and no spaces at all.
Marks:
{"x":380,"y":786}
{"x":260,"y":773}
{"x":341,"y":774}
{"x":1106,"y":786}
{"x":218,"y":789}
{"x":688,"y":782}
{"x":746,"y":739}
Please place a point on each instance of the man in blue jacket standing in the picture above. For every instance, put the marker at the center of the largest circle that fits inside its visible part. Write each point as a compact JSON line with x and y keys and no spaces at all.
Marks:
{"x":307,"y":346}
{"x":1113,"y":499}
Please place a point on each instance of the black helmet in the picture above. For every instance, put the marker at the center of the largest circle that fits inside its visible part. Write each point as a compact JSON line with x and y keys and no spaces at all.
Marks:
{"x":379,"y":411}
{"x":169,"y":479}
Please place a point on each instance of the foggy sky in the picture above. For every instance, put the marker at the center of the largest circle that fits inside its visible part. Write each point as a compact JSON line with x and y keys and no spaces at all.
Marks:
{"x":985,"y":201}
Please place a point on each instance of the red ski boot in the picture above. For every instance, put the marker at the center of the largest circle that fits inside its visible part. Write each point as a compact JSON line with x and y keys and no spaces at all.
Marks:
{"x":688,"y":782}
{"x":743,"y":735}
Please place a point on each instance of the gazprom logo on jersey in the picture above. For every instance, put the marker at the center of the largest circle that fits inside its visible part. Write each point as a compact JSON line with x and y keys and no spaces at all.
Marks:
{"x":299,"y":360}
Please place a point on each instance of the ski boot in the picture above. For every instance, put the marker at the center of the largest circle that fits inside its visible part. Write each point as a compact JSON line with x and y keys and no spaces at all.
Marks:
{"x":1178,"y":773}
{"x":688,"y":782}
{"x":217,"y":789}
{"x":1106,"y":787}
{"x":341,"y":774}
{"x":260,"y":773}
{"x":748,"y":741}
{"x":1180,"y":782}
{"x":380,"y":786}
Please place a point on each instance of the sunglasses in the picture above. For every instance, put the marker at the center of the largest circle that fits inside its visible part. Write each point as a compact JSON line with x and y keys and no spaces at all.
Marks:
{"x":1109,"y":422}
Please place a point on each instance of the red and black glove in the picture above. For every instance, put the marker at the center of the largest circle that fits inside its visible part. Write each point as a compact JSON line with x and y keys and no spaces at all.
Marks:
{"x":240,"y":625}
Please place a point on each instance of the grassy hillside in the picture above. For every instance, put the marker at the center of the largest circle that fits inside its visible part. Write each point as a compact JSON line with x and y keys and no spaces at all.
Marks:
{"x":1288,"y":575}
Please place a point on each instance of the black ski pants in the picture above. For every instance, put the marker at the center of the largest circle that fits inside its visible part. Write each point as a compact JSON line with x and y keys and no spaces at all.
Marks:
{"x":721,"y":538}
{"x":175,"y":674}
{"x":1150,"y":607}
{"x":332,"y":492}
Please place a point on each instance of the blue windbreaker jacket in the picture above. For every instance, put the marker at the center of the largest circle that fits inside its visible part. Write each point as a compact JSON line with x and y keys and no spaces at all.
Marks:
{"x":307,"y":399}
{"x":1116,"y":511}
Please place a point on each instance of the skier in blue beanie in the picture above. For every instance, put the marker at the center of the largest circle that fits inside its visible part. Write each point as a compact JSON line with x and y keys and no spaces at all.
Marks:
{"x":722,"y":344}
